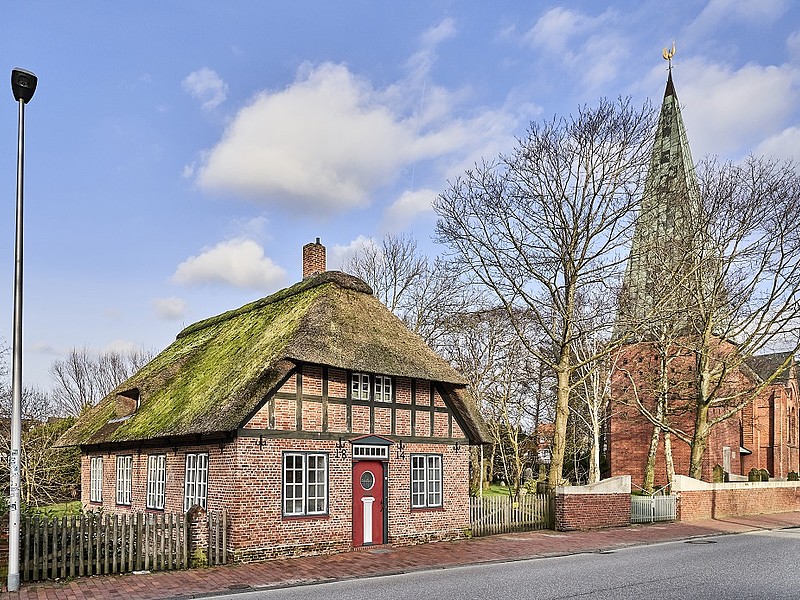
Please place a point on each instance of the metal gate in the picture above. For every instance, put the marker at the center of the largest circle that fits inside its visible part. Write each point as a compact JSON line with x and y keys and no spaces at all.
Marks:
{"x":649,"y":509}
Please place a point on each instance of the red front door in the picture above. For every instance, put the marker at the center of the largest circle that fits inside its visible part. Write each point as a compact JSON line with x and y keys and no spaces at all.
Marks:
{"x":367,"y":503}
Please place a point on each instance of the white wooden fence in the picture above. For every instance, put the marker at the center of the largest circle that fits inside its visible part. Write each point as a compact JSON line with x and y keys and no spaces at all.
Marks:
{"x":498,"y":514}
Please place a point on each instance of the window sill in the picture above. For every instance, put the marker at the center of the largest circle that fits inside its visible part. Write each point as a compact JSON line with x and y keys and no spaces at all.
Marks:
{"x":427,"y":509}
{"x":305,"y":517}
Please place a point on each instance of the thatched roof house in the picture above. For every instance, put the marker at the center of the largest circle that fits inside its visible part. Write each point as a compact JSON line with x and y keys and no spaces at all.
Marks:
{"x":313,"y":416}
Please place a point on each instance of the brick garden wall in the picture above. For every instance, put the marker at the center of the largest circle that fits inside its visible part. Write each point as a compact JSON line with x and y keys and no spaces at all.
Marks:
{"x":701,"y":500}
{"x":603,"y":504}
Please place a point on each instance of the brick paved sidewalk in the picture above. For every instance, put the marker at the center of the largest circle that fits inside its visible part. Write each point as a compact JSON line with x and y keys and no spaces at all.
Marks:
{"x":387,"y":560}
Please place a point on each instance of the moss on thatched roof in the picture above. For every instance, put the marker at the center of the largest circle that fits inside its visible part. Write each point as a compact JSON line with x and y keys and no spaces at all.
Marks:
{"x":219,"y":370}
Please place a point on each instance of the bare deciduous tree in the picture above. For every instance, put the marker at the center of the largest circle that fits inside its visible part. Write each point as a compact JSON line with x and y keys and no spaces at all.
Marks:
{"x":499,"y":372}
{"x":81,"y":380}
{"x":546,"y":225}
{"x":47,"y":474}
{"x":423,"y":293}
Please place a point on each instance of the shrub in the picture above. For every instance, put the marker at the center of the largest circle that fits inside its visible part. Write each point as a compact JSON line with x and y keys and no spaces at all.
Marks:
{"x":754,"y":475}
{"x":764,"y":475}
{"x":793,"y":476}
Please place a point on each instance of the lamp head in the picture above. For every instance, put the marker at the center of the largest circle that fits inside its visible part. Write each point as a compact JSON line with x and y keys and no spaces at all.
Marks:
{"x":23,"y":84}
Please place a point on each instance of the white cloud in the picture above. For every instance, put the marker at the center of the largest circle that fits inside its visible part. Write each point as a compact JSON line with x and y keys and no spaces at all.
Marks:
{"x":207,"y":87}
{"x":238,"y":262}
{"x":731,"y":111}
{"x":407,"y":207}
{"x":588,"y":45}
{"x":339,"y":255}
{"x":42,"y":348}
{"x":169,"y":309}
{"x":718,"y":12}
{"x":325,"y":143}
{"x":782,"y":146}
{"x":420,"y":63}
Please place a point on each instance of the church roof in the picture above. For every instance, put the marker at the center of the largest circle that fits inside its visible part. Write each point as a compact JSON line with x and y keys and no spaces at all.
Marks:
{"x":664,"y":244}
{"x":765,"y":365}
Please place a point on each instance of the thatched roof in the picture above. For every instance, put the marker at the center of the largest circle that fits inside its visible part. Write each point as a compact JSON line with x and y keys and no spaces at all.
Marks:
{"x":218,"y":371}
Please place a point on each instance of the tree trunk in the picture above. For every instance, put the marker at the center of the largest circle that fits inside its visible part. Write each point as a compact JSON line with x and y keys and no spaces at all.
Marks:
{"x":668,"y":458}
{"x":650,"y":465}
{"x":594,"y":461}
{"x":559,"y":435}
{"x":699,"y":441}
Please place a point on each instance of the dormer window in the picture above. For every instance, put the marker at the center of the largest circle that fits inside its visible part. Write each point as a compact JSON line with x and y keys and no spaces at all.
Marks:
{"x":128,"y":402}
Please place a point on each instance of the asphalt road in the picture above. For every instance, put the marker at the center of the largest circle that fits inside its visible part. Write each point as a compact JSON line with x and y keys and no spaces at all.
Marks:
{"x":750,"y":566}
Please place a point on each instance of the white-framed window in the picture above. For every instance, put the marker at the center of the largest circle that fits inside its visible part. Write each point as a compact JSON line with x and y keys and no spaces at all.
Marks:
{"x":195,"y":488}
{"x":124,"y":479}
{"x":305,"y":484}
{"x":96,"y":479}
{"x":156,"y":480}
{"x":426,"y":480}
{"x":383,"y":388}
{"x":359,"y":386}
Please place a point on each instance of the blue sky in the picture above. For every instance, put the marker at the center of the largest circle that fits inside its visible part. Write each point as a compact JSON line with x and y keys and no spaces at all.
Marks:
{"x":179,"y":154}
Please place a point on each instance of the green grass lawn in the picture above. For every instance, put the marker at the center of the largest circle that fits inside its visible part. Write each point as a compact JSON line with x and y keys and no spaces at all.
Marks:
{"x":496,"y":490}
{"x":62,"y":509}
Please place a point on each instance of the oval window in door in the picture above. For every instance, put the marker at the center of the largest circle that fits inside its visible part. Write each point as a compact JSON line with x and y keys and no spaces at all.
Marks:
{"x":367,"y":480}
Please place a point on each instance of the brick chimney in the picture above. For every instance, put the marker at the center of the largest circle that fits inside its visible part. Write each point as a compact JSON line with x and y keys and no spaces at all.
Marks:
{"x":313,"y":259}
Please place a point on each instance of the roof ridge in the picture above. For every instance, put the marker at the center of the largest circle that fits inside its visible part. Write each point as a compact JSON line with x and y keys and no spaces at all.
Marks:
{"x":339,"y":278}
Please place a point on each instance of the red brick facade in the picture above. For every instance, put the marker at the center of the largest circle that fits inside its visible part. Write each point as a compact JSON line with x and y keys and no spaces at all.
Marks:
{"x":699,"y":500}
{"x":768,"y":427}
{"x":312,"y":412}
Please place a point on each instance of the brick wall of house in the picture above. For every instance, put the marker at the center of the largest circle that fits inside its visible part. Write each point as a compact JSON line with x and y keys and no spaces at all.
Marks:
{"x":260,"y":531}
{"x":407,"y":525}
{"x":701,"y":500}
{"x":246,"y":475}
{"x":221,"y":461}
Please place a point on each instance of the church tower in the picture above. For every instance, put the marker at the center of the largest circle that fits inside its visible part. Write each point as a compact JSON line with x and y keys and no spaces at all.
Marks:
{"x":662,"y":276}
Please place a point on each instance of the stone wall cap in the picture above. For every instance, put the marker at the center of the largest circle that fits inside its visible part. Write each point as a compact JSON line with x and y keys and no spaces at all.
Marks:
{"x":613,"y":485}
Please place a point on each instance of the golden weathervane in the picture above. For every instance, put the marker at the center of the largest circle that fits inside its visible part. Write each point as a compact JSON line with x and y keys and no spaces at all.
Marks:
{"x":668,"y":54}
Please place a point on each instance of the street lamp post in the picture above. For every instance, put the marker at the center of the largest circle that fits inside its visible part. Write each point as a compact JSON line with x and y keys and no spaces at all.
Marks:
{"x":23,"y":85}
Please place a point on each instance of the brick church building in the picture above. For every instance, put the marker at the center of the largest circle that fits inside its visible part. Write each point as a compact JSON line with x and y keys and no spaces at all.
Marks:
{"x":660,"y":363}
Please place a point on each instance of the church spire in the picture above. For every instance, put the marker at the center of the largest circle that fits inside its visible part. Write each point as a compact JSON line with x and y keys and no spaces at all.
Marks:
{"x":664,"y":248}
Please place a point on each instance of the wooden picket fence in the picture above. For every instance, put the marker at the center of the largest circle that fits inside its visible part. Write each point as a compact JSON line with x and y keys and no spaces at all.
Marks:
{"x":499,"y":514}
{"x":92,"y":544}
